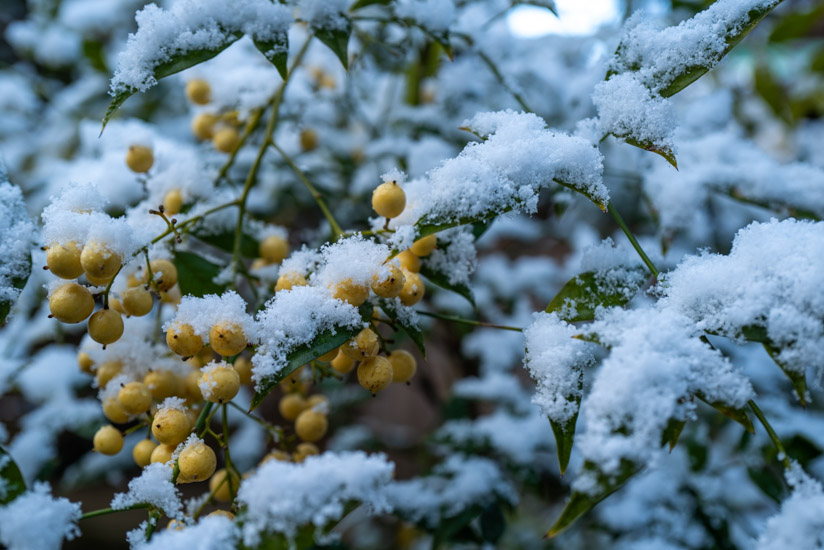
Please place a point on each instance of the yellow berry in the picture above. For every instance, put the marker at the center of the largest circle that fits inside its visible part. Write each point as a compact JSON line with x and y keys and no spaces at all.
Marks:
{"x":308,"y":139}
{"x":175,"y":525}
{"x":192,"y":386}
{"x":64,"y":260}
{"x":413,"y":289}
{"x":424,"y":246}
{"x":311,"y":425}
{"x":171,"y":296}
{"x":203,"y":126}
{"x":139,"y":158}
{"x":365,"y":344}
{"x":171,"y":426}
{"x":329,"y":355}
{"x":182,"y":340}
{"x":108,"y":440}
{"x":197,"y":461}
{"x":164,"y":274}
{"x":132,"y":281}
{"x":315,"y":400}
{"x":388,"y":199}
{"x":173,"y":202}
{"x":135,"y":398}
{"x":224,"y":513}
{"x":71,"y":303}
{"x":273,"y":249}
{"x":276,"y":454}
{"x":226,"y":139}
{"x":244,"y":370}
{"x":351,"y":292}
{"x":162,"y":383}
{"x":403,"y":365}
{"x":220,"y":383}
{"x":114,"y":412}
{"x":388,"y":281}
{"x":99,"y":261}
{"x":289,"y":280}
{"x":219,"y":485}
{"x":304,"y":450}
{"x":84,"y":361}
{"x":106,"y":326}
{"x":142,"y":452}
{"x":107,"y":371}
{"x":227,"y":339}
{"x":198,"y":91}
{"x":375,"y":373}
{"x":117,"y":305}
{"x":98,"y":281}
{"x":162,"y":453}
{"x":136,"y":301}
{"x":409,"y":262}
{"x":291,"y":405}
{"x":343,"y":363}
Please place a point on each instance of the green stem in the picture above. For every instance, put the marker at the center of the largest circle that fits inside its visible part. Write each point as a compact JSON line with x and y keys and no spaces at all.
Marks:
{"x":782,"y":453}
{"x":230,"y":467}
{"x":495,"y":71}
{"x":467,"y":321}
{"x":107,"y":511}
{"x":632,"y":239}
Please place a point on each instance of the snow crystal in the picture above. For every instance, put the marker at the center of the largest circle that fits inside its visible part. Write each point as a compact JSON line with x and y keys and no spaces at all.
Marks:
{"x":153,"y":486}
{"x":800,"y":523}
{"x":304,"y":261}
{"x":433,"y":15}
{"x":16,"y":231}
{"x":210,"y":533}
{"x":455,"y":255}
{"x":210,"y":310}
{"x":324,"y":14}
{"x":36,"y":520}
{"x":354,"y":258}
{"x":281,"y":496}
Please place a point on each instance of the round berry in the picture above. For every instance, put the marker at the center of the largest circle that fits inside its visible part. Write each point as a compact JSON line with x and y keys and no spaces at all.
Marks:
{"x":71,"y":303}
{"x":226,"y":139}
{"x":136,"y":301}
{"x":219,"y":383}
{"x":224,"y":513}
{"x":388,"y":281}
{"x":182,"y":340}
{"x":164,"y":274}
{"x":219,"y":485}
{"x":388,"y":199}
{"x":343,"y":363}
{"x":192,"y":386}
{"x":135,"y":398}
{"x":107,"y":371}
{"x":375,"y":373}
{"x":106,"y":326}
{"x":173,"y":202}
{"x":108,"y":440}
{"x":84,"y":361}
{"x":276,"y":454}
{"x":290,"y":280}
{"x":424,"y":246}
{"x":244,"y":370}
{"x":291,"y":405}
{"x":314,"y":400}
{"x":198,"y":91}
{"x":409,"y":262}
{"x":203,"y":126}
{"x":142,"y":452}
{"x":403,"y":365}
{"x":64,"y":260}
{"x":304,"y":450}
{"x":98,"y":281}
{"x":171,"y":426}
{"x":413,"y":289}
{"x":350,"y":292}
{"x":162,"y":453}
{"x":114,"y":412}
{"x":311,"y":425}
{"x":162,"y":383}
{"x":171,"y":296}
{"x":139,"y":158}
{"x":117,"y":305}
{"x":308,"y":140}
{"x":365,"y":344}
{"x":273,"y":249}
{"x":99,"y":262}
{"x":197,"y":461}
{"x":227,"y":339}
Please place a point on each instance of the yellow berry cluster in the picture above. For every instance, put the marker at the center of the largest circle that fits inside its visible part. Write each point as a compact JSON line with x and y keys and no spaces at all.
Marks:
{"x":221,"y":128}
{"x":225,"y":338}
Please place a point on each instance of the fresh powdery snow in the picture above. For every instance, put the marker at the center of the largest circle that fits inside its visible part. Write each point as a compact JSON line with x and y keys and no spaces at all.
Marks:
{"x":203,"y":313}
{"x":153,"y":486}
{"x":210,"y":533}
{"x":36,"y":520}
{"x":16,"y":232}
{"x":800,"y":523}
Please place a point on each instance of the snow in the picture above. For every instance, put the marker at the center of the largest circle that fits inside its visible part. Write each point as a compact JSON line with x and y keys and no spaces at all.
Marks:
{"x":210,"y":310}
{"x":455,"y":257}
{"x":16,"y":232}
{"x":36,"y":520}
{"x":324,"y":14}
{"x":210,"y":533}
{"x":433,"y":15}
{"x":800,"y":523}
{"x":153,"y":486}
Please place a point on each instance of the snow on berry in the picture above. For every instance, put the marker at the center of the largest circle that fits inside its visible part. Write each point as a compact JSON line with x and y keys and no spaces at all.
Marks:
{"x":153,"y":486}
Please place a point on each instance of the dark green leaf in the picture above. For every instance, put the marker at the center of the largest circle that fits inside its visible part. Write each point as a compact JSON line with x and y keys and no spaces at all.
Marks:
{"x":739,"y":415}
{"x":583,"y":191}
{"x":773,"y":93}
{"x":19,"y":263}
{"x":363,"y":3}
{"x":493,"y":523}
{"x":411,"y":330}
{"x":564,"y":432}
{"x":11,"y":479}
{"x":584,"y":293}
{"x":276,"y":51}
{"x":795,"y":25}
{"x":757,"y":333}
{"x":672,"y":432}
{"x":664,"y":152}
{"x":196,"y":274}
{"x":449,"y":527}
{"x":441,"y":280}
{"x":249,"y":247}
{"x":426,"y":226}
{"x":336,"y":40}
{"x":18,"y":283}
{"x":93,"y":51}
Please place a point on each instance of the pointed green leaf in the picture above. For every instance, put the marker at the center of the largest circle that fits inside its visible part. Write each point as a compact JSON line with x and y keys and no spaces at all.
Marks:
{"x":585,"y":192}
{"x":276,"y":51}
{"x":493,"y":523}
{"x":249,"y":246}
{"x":196,"y":274}
{"x":739,"y":415}
{"x":336,"y":40}
{"x":797,"y":378}
{"x":14,"y":225}
{"x":672,"y":431}
{"x":451,"y":526}
{"x":564,"y":435}
{"x":664,"y":152}
{"x":414,"y":333}
{"x":441,"y":280}
{"x":12,"y":484}
{"x":363,"y":3}
{"x":582,"y":295}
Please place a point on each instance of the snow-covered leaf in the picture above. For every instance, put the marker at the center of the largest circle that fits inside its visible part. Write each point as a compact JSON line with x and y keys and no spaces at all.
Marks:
{"x":583,"y":294}
{"x":11,"y":480}
{"x":16,"y":231}
{"x":276,"y":50}
{"x":442,"y":280}
{"x":390,"y":308}
{"x":337,"y":40}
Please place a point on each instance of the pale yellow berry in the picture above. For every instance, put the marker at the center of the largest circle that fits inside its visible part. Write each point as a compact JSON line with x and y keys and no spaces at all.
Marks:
{"x":142,"y":452}
{"x":173,"y":202}
{"x":175,"y":525}
{"x":98,"y":281}
{"x":135,"y":398}
{"x":162,"y":383}
{"x":114,"y":412}
{"x":314,"y":400}
{"x":350,"y":292}
{"x":413,"y":289}
{"x":106,"y":326}
{"x":107,"y":371}
{"x":117,"y":305}
{"x":64,"y":260}
{"x":71,"y":303}
{"x":220,"y":383}
{"x":403,"y":365}
{"x":343,"y":363}
{"x":192,"y":386}
{"x":171,"y":296}
{"x":162,"y":453}
{"x":136,"y":301}
{"x":304,"y":450}
{"x":164,"y":274}
{"x":224,"y":513}
{"x":226,"y":139}
{"x":276,"y":454}
{"x":182,"y":340}
{"x":203,"y":126}
{"x":409,"y":262}
{"x":273,"y":249}
{"x":198,"y":91}
{"x":108,"y":440}
{"x":227,"y":339}
{"x":375,"y":373}
{"x":290,"y":280}
{"x":84,"y":361}
{"x":231,"y":118}
{"x":99,"y":262}
{"x":388,"y":281}
{"x":328,"y":356}
{"x":388,"y":199}
{"x":258,"y":264}
{"x":424,"y":246}
{"x":197,"y":461}
{"x":244,"y":370}
{"x":219,"y":485}
{"x":308,"y":139}
{"x":171,"y":426}
{"x":365,"y":344}
{"x":139,"y":158}
{"x":291,"y":405}
{"x":311,"y":425}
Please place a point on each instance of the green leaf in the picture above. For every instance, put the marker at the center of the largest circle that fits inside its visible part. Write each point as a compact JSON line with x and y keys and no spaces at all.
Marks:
{"x":739,"y":415}
{"x":441,"y":280}
{"x":249,"y":247}
{"x":363,"y":3}
{"x":564,"y":435}
{"x":548,"y":4}
{"x":18,"y":262}
{"x":177,"y":63}
{"x":585,"y":192}
{"x":493,"y":523}
{"x":323,"y":343}
{"x":12,"y":484}
{"x":414,"y":333}
{"x":451,"y":526}
{"x":795,"y":25}
{"x":584,"y":293}
{"x":276,"y":51}
{"x":93,"y":51}
{"x":664,"y":152}
{"x":757,"y":333}
{"x":672,"y":431}
{"x":581,"y":503}
{"x":336,"y":40}
{"x":196,"y":274}
{"x":18,"y":283}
